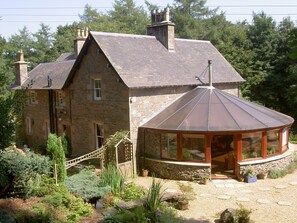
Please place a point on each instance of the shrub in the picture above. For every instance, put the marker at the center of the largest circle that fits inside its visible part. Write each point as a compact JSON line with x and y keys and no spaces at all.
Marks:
{"x":153,"y":199}
{"x":20,"y":171}
{"x":87,"y":185}
{"x":112,"y":177}
{"x":138,"y":215}
{"x":132,"y":192}
{"x":56,"y":152}
{"x":276,"y":173}
{"x":242,"y":215}
{"x":65,"y":207}
{"x":66,"y":143}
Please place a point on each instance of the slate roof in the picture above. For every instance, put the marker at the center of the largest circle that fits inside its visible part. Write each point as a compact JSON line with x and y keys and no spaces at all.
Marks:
{"x":57,"y":72}
{"x":142,"y":61}
{"x":207,"y":109}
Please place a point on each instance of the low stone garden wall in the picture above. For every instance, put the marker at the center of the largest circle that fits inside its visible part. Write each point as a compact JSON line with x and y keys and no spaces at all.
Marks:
{"x":177,"y":170}
{"x":265,"y":165}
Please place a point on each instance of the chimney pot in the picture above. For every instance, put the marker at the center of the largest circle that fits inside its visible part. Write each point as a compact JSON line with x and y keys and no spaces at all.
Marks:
{"x":81,"y":35}
{"x":21,"y":66}
{"x":162,"y":28}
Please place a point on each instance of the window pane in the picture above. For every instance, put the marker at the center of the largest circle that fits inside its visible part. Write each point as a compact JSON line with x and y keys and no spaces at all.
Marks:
{"x":251,"y":145}
{"x":169,"y":146}
{"x":273,"y":142}
{"x":96,"y":84}
{"x":193,"y":147}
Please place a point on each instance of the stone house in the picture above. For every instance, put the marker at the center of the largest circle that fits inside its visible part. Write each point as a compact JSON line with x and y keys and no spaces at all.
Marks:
{"x":115,"y":82}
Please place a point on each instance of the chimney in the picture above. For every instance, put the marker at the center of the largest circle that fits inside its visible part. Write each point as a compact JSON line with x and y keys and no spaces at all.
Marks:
{"x":81,"y":36}
{"x":21,"y":69}
{"x":162,"y":28}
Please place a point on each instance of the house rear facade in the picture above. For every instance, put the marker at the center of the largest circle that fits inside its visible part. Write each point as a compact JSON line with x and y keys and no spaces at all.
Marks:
{"x":116,"y":82}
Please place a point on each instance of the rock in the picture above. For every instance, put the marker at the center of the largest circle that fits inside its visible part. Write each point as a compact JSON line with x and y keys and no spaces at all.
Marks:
{"x":128,"y":205}
{"x":108,"y":212}
{"x":227,"y":215}
{"x":171,"y":195}
{"x":99,"y":204}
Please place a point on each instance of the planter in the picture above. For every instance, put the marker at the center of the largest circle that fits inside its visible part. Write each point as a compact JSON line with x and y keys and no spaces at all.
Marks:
{"x":250,"y":179}
{"x":144,"y":172}
{"x":205,"y":181}
{"x":262,"y":175}
{"x":183,"y":205}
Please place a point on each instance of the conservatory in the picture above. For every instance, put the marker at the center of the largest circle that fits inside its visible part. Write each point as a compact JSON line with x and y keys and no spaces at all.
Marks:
{"x":208,"y":132}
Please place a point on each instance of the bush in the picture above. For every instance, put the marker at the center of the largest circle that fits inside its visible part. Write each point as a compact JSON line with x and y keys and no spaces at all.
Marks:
{"x":20,"y":171}
{"x":56,"y":152}
{"x":132,"y":192}
{"x":112,"y":177}
{"x":138,"y":215}
{"x":276,"y":173}
{"x":65,"y":207}
{"x":153,"y":200}
{"x":87,"y":185}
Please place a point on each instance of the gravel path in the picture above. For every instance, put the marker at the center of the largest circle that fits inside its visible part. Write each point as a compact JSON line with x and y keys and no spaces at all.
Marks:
{"x":271,"y":200}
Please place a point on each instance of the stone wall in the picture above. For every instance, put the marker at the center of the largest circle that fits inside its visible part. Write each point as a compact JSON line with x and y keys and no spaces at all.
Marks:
{"x":112,"y":111}
{"x":176,"y":171}
{"x":279,"y":164}
{"x":38,"y":113}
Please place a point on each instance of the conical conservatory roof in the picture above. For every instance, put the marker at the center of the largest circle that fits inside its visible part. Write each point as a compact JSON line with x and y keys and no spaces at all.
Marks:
{"x":207,"y":109}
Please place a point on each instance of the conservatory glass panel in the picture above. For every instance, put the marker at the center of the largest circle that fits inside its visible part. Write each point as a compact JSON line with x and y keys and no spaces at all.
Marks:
{"x":193,"y":147}
{"x":251,"y":145}
{"x":169,"y":146}
{"x":273,"y":142}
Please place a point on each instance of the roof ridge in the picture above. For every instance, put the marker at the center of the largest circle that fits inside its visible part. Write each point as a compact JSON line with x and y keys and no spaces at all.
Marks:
{"x":122,"y":34}
{"x":192,"y":40}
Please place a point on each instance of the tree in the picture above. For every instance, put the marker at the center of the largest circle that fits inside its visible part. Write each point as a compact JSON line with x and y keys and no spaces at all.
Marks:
{"x":43,"y":46}
{"x":189,"y":16}
{"x":63,"y":38}
{"x":56,"y":152}
{"x":128,"y":17}
{"x":263,"y":36}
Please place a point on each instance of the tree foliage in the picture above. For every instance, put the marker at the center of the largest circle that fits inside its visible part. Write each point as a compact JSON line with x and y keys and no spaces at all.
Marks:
{"x":56,"y":152}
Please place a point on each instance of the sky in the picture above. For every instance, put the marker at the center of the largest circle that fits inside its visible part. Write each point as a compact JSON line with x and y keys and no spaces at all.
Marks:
{"x":15,"y":14}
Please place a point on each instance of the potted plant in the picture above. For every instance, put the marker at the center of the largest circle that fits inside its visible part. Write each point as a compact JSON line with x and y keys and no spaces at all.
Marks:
{"x":205,"y":179}
{"x":250,"y":175}
{"x":144,"y":172}
{"x":262,"y":175}
{"x":183,"y":203}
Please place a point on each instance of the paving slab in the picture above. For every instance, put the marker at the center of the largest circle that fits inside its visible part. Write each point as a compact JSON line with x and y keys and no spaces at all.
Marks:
{"x":230,"y":193}
{"x":264,"y":188}
{"x":246,"y":191}
{"x":224,"y":197}
{"x":280,"y":186}
{"x":205,"y":195}
{"x":263,"y":201}
{"x":293,"y":183}
{"x":284,"y":203}
{"x":229,"y":185}
{"x":220,"y":185}
{"x":243,"y":199}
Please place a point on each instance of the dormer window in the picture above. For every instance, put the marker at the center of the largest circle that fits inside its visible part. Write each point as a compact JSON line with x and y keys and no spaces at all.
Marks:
{"x":97,"y":89}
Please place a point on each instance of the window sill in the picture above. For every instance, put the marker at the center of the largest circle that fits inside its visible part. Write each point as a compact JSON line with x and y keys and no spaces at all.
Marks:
{"x":185,"y":163}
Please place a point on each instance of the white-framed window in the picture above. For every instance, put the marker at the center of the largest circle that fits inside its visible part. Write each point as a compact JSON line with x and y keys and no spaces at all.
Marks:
{"x":29,"y":123}
{"x":99,"y":135}
{"x":60,"y":99}
{"x":97,"y":89}
{"x":32,"y":97}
